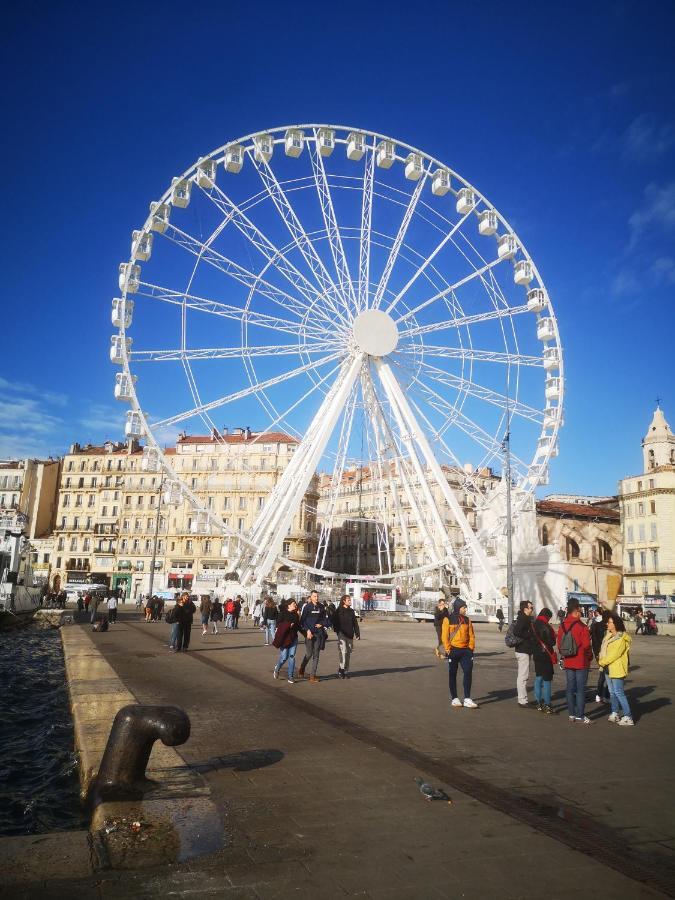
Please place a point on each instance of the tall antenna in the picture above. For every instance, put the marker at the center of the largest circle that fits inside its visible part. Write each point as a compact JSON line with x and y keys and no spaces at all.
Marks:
{"x":506,"y":447}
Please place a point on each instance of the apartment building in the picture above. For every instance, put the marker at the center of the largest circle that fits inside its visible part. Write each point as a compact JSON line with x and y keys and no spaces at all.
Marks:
{"x":114,"y":504}
{"x":647,"y":503}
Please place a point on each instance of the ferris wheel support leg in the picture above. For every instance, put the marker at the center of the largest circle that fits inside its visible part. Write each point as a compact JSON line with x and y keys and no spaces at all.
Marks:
{"x":293,"y":484}
{"x":394,"y":391}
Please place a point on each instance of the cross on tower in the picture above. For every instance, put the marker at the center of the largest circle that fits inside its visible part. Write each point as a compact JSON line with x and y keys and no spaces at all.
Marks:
{"x":658,"y":401}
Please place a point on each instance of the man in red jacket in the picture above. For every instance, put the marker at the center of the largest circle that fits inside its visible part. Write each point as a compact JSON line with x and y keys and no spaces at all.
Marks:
{"x":577,"y":666}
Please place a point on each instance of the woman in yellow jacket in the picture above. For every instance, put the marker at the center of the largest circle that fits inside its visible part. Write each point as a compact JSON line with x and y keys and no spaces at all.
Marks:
{"x":614,"y":659}
{"x":459,"y":642}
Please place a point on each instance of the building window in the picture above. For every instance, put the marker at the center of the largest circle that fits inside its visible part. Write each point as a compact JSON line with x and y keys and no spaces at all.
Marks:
{"x":640,"y":509}
{"x":226,"y":502}
{"x":633,"y":587}
{"x":136,"y":545}
{"x":240,"y":524}
{"x":188,"y":546}
{"x":631,"y":560}
{"x":643,"y":560}
{"x":73,"y":545}
{"x":645,"y":587}
{"x":651,"y":484}
{"x":242,"y":503}
{"x":652,"y":507}
{"x":571,"y":549}
{"x":286,"y":549}
{"x":639,"y":487}
{"x":76,"y":523}
{"x":655,"y":560}
{"x":86,"y":545}
{"x":642,"y":533}
{"x":544,"y":536}
{"x":59,"y":545}
{"x":261,"y":502}
{"x":207,"y":546}
{"x":657,"y":587}
{"x":652,"y":531}
{"x":604,"y":552}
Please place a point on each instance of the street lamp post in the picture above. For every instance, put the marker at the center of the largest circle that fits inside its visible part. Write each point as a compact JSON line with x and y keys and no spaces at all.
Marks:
{"x":154,"y":543}
{"x":506,"y":446}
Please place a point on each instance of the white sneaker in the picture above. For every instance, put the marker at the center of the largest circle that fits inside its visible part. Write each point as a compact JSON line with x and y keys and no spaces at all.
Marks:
{"x":275,"y":673}
{"x":626,"y":721}
{"x":456,"y":702}
{"x":614,"y":717}
{"x":468,"y":702}
{"x":598,"y":698}
{"x":584,"y":721}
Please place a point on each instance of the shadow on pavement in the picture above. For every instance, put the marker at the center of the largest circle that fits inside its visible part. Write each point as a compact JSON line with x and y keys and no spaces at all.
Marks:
{"x":368,"y":672}
{"x":245,"y":761}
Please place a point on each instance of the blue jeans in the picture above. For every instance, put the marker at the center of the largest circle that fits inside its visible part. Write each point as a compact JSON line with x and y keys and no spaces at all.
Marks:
{"x":270,"y":628}
{"x":174,"y":634}
{"x":287,"y":653}
{"x":542,"y":690}
{"x":576,"y":691}
{"x":618,"y":696}
{"x":464,"y":658}
{"x":229,"y":621}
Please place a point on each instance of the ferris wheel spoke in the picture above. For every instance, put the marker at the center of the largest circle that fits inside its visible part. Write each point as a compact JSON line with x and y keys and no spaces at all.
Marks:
{"x":460,"y":321}
{"x":245,"y":392}
{"x":228,"y":311}
{"x":280,"y":417}
{"x":366,"y":224}
{"x":234,"y":270}
{"x":303,"y":243}
{"x":449,"y":290}
{"x":473,"y":355}
{"x":330,"y":221}
{"x":465,"y":385}
{"x":266,"y":247}
{"x":420,"y":269}
{"x":336,"y":480}
{"x":398,"y":242}
{"x":229,"y":352}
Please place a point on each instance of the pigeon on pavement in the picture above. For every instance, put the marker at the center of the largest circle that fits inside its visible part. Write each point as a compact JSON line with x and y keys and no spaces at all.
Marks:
{"x":431,"y":793}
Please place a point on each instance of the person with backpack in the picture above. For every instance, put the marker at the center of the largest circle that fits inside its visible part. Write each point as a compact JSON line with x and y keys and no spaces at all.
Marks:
{"x":545,"y":658}
{"x":574,"y":646}
{"x":459,"y":641}
{"x":286,"y":638}
{"x":346,"y":628}
{"x":524,"y":648}
{"x":313,"y":624}
{"x":614,"y":656}
{"x":440,"y":613}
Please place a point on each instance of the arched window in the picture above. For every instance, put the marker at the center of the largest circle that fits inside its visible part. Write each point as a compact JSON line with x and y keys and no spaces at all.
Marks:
{"x":651,"y":459}
{"x":544,"y":536}
{"x":604,"y":552}
{"x":571,"y":549}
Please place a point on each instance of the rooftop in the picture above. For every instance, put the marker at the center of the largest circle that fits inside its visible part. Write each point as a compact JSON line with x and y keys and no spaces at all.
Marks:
{"x":577,"y":510}
{"x":270,"y":437}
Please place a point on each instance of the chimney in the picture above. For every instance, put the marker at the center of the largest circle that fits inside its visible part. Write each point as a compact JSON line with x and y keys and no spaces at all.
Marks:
{"x":225,"y":431}
{"x":248,"y":433}
{"x":75,"y":448}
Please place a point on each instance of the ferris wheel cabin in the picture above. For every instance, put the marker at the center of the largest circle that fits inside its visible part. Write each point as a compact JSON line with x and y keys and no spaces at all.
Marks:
{"x":356,"y":145}
{"x":294,"y":141}
{"x":122,"y":312}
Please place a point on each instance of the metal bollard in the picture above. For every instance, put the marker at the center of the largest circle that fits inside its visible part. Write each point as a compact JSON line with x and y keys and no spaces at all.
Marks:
{"x":135,"y":729}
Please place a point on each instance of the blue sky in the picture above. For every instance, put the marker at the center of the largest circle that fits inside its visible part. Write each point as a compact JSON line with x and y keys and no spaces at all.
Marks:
{"x":562,"y":115}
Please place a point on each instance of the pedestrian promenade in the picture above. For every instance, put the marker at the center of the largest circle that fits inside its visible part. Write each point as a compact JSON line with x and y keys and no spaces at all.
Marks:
{"x":316,"y":787}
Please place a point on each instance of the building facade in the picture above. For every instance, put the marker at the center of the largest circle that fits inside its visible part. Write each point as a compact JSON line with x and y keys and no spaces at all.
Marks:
{"x":116,"y":523}
{"x":647,"y":503}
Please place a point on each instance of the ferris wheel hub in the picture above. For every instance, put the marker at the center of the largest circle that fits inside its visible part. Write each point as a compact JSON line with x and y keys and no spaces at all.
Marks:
{"x":375,"y":332}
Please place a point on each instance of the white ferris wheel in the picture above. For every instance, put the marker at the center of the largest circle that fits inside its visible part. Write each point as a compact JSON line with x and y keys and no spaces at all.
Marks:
{"x":358,"y":295}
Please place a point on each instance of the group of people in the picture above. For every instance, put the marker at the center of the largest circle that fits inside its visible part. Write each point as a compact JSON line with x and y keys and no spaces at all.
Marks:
{"x":573,"y":647}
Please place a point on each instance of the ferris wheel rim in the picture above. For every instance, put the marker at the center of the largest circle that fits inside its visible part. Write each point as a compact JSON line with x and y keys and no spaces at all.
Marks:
{"x":279,"y":131}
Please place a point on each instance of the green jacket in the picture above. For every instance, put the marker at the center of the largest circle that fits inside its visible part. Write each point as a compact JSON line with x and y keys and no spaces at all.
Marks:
{"x":614,"y":654}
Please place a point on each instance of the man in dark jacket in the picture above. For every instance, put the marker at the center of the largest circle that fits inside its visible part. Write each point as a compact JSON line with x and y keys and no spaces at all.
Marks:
{"x":346,"y":628}
{"x":185,"y":610}
{"x":313,"y":624}
{"x":522,"y":631}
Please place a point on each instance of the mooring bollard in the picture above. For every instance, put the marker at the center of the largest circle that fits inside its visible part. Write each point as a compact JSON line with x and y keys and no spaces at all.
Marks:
{"x":134,"y":731}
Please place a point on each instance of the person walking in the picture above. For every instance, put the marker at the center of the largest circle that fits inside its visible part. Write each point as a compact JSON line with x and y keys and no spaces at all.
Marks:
{"x":229,"y":614}
{"x":500,"y":619}
{"x":87,"y":601}
{"x":269,"y":620}
{"x":639,"y":622}
{"x":184,"y":613}
{"x":598,"y":629}
{"x":205,"y":613}
{"x":440,"y":613}
{"x":313,"y":624}
{"x":286,"y":639}
{"x":112,"y":608}
{"x":574,"y":646}
{"x":257,"y":613}
{"x":459,"y":642}
{"x":544,"y":656}
{"x":614,"y":657}
{"x":171,"y":618}
{"x":236,"y":613}
{"x":522,"y":631}
{"x":216,"y":614}
{"x":346,"y":628}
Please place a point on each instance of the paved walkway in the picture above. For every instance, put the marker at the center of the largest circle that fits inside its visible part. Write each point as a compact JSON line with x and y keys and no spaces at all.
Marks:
{"x":315,"y":782}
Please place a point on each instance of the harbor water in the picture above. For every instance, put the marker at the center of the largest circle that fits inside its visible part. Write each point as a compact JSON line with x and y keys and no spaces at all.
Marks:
{"x":39,"y":785}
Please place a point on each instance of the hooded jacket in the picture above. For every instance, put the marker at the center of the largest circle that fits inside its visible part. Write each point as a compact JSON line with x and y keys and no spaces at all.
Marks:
{"x":614,"y":654}
{"x":522,"y":630}
{"x":457,"y":631}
